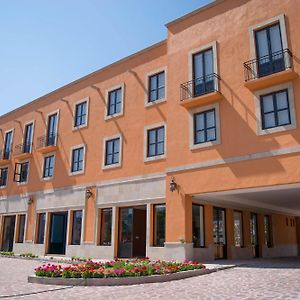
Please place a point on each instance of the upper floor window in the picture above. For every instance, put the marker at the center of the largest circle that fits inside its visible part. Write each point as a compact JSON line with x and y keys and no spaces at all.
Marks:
{"x":269,"y":50}
{"x":77,"y":160}
{"x":114,"y":102}
{"x":156,"y":141}
{"x":205,"y":127}
{"x":28,"y":135}
{"x":80,"y":114}
{"x":3,"y":176}
{"x":48,"y":170}
{"x":21,"y":172}
{"x":112,"y":152}
{"x":7,"y":145}
{"x":157,"y":86}
{"x":275,"y":109}
{"x":52,"y":130}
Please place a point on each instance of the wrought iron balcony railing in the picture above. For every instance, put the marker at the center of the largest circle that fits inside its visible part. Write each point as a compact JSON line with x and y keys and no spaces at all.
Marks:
{"x":5,"y":154}
{"x":23,"y":148}
{"x":46,"y":140}
{"x":199,"y":86}
{"x":269,"y":64}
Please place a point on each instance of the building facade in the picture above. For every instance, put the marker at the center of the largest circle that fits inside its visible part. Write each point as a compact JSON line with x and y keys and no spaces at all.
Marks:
{"x":188,"y":149}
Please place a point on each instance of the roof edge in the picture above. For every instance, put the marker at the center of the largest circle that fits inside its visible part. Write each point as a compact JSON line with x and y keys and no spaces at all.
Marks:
{"x":194,"y":12}
{"x":122,"y":60}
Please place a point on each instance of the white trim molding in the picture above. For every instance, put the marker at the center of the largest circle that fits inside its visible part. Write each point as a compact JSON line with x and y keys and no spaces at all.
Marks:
{"x":71,"y":160}
{"x":146,"y":129}
{"x":87,"y":100}
{"x":119,"y":86}
{"x":147,"y":85}
{"x":43,"y":166}
{"x":258,"y":94}
{"x":105,"y":140}
{"x":201,"y":109}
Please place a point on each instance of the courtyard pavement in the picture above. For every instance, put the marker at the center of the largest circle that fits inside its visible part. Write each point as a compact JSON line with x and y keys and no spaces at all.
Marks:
{"x":253,"y":279}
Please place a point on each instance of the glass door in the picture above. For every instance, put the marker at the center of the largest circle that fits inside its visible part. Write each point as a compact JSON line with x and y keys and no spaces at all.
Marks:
{"x":51,"y":130}
{"x":8,"y":233}
{"x":28,"y":138}
{"x":254,"y":234}
{"x":58,"y":232}
{"x":125,"y":232}
{"x":269,"y":50}
{"x":219,"y":232}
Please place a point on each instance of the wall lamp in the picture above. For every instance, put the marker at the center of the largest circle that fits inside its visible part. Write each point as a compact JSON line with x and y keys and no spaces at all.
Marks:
{"x":173,"y":184}
{"x":88,"y":194}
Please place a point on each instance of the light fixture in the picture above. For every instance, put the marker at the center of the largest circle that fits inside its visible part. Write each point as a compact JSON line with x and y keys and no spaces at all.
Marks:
{"x":29,"y":201}
{"x":173,"y":184}
{"x":88,"y":194}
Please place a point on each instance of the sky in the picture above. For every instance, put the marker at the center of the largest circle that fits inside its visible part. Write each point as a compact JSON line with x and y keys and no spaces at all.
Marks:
{"x":45,"y":44}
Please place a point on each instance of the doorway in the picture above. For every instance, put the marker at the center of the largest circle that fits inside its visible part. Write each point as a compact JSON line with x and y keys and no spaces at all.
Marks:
{"x":8,"y":233}
{"x":132,"y":232}
{"x":219,"y":232}
{"x":58,"y":233}
{"x":254,"y":235}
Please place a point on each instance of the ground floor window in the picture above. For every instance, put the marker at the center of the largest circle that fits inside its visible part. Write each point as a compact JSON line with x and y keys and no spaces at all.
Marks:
{"x":268,"y":231}
{"x":198,"y":225}
{"x":76,"y":228}
{"x":21,"y":228}
{"x":159,"y":225}
{"x":41,"y":228}
{"x":238,"y":229}
{"x":106,"y":225}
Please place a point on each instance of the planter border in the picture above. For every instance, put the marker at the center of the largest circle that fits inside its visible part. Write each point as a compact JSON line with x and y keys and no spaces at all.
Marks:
{"x":118,"y":281}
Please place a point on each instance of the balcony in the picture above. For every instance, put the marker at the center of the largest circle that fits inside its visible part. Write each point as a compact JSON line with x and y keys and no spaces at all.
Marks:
{"x":269,"y":70}
{"x":5,"y":157}
{"x":200,"y":91}
{"x":23,"y":151}
{"x":47,"y":143}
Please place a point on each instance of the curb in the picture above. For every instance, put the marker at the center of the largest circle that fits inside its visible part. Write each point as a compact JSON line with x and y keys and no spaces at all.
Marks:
{"x":111,"y":281}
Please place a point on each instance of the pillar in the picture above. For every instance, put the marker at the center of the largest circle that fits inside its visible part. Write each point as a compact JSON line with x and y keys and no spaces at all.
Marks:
{"x":90,"y":217}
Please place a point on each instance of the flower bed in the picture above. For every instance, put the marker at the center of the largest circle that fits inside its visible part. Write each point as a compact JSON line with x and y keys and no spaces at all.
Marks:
{"x":116,"y":268}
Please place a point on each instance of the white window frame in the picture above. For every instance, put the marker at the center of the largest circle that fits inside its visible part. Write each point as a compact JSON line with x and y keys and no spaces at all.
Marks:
{"x":119,"y":164}
{"x":201,"y":109}
{"x":43,"y":168}
{"x":71,"y":160}
{"x":87,"y":100}
{"x":258,"y":94}
{"x":194,"y":51}
{"x":122,"y":86}
{"x":3,"y":167}
{"x":147,"y":85}
{"x":28,"y":172}
{"x":146,"y":129}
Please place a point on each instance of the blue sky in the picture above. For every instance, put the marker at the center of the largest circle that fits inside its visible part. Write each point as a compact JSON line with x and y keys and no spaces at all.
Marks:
{"x":47,"y":44}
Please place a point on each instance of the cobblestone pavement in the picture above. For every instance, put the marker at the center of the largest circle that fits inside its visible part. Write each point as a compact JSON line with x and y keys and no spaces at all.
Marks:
{"x":255,"y":279}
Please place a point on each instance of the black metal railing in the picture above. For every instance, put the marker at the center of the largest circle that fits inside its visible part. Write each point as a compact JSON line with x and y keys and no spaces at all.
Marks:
{"x":46,"y":140}
{"x":23,"y":148}
{"x":269,"y":64}
{"x":199,"y":86}
{"x":5,"y":154}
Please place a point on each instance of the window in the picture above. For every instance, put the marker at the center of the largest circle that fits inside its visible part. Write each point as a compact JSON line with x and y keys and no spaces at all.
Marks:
{"x":156,"y":141}
{"x":157,"y":87}
{"x":114,"y":102}
{"x":76,"y":230}
{"x":106,"y":224}
{"x":77,"y":160}
{"x":205,"y":127}
{"x":238,"y":228}
{"x":268,"y":231}
{"x":21,"y":228}
{"x":41,"y":217}
{"x":51,"y":130}
{"x":7,"y":145}
{"x":159,"y":225}
{"x":112,"y":151}
{"x":48,"y":166}
{"x":80,"y":114}
{"x":269,"y":50}
{"x":198,"y":225}
{"x":28,"y":133}
{"x":203,"y":72}
{"x":275,"y":109}
{"x":21,"y":172}
{"x":3,"y":176}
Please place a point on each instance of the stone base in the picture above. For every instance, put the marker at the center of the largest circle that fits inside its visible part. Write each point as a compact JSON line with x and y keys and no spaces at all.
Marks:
{"x":179,"y":251}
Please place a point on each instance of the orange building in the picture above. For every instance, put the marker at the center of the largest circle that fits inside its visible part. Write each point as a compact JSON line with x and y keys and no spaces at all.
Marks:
{"x":188,"y":149}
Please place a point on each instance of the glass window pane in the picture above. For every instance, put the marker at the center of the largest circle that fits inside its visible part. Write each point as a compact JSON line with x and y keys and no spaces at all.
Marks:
{"x":211,"y":134}
{"x":76,"y":229}
{"x":152,"y":136}
{"x":159,"y":225}
{"x":153,"y":83}
{"x":161,"y":93}
{"x":198,"y":65}
{"x":160,"y":149}
{"x":151,"y":150}
{"x":208,"y":61}
{"x":268,"y":104}
{"x":106,"y":225}
{"x":200,"y":137}
{"x":210,"y":119}
{"x":161,"y":79}
{"x":198,"y":225}
{"x":238,"y":229}
{"x":160,"y":135}
{"x":153,"y":95}
{"x":269,"y":120}
{"x":275,"y":39}
{"x":199,"y":121}
{"x":41,"y":228}
{"x":283,"y":117}
{"x":262,"y":43}
{"x":282,"y":100}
